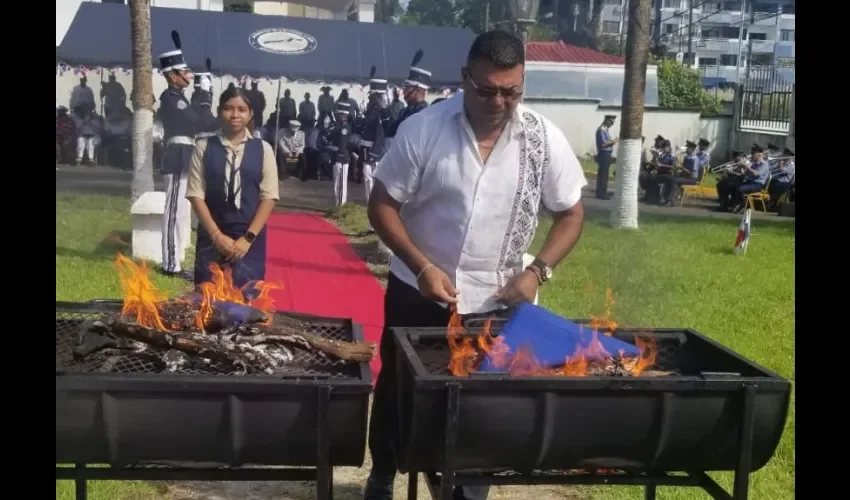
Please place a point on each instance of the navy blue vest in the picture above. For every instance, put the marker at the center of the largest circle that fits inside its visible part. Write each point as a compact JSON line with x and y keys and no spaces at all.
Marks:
{"x":224,"y":212}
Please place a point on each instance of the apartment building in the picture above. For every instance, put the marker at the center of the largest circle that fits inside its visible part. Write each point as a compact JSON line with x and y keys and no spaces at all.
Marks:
{"x":716,"y":30}
{"x":352,"y":10}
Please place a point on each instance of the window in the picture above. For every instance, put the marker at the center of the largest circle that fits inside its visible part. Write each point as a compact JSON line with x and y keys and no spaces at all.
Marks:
{"x":729,"y":59}
{"x":670,"y":28}
{"x":786,"y":35}
{"x":671,"y":4}
{"x":765,"y":8}
{"x":614,"y":2}
{"x":789,"y":8}
{"x":758,"y":36}
{"x":708,"y":61}
{"x":762,"y":60}
{"x":122,"y":2}
{"x":736,"y":6}
{"x":611,"y":27}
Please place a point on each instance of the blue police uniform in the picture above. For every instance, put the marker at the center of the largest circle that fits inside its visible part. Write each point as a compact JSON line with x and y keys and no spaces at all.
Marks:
{"x":603,"y":159}
{"x":753,"y":182}
{"x":181,"y":121}
{"x":782,"y":181}
{"x":232,"y":219}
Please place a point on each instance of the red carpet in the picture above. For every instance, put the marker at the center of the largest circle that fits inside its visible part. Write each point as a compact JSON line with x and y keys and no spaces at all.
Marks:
{"x":321,"y":274}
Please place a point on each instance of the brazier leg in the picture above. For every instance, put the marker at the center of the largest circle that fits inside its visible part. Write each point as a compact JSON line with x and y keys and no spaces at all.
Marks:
{"x":80,"y":482}
{"x":412,"y":485}
{"x":649,"y":491}
{"x":740,"y":490}
{"x":447,"y":479}
{"x":324,"y":474}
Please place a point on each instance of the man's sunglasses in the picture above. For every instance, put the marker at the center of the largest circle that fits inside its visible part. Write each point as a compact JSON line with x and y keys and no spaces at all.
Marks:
{"x":510,"y":94}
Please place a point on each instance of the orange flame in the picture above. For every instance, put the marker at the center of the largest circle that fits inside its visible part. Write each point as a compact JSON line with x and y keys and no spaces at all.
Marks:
{"x":467,"y":352}
{"x":142,"y":300}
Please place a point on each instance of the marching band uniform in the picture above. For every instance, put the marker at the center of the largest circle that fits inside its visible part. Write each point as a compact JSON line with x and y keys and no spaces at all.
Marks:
{"x":373,"y":142}
{"x":181,"y":121}
{"x":727,"y":185}
{"x":755,"y":178}
{"x":691,"y":175}
{"x":336,"y":143}
{"x":783,"y":180}
{"x":417,"y":77}
{"x":604,"y":151}
{"x":703,"y":155}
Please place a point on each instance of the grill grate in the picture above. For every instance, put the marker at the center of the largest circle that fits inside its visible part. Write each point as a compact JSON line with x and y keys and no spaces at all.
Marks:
{"x":435,"y":355}
{"x":71,"y":324}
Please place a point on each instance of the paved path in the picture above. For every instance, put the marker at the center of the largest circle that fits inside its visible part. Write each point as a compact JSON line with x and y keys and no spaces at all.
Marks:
{"x":317,"y":196}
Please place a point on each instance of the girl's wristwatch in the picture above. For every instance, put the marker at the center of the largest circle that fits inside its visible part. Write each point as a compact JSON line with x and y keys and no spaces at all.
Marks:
{"x":249,"y":236}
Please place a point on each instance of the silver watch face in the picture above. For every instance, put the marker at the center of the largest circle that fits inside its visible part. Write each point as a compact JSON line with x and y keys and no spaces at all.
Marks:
{"x":547,"y":272}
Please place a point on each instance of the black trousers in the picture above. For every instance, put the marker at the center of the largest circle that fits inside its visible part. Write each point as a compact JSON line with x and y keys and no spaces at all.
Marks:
{"x":403,"y":306}
{"x":603,"y":159}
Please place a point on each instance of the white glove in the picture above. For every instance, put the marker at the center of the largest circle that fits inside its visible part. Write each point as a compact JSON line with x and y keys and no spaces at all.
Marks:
{"x":206,"y":83}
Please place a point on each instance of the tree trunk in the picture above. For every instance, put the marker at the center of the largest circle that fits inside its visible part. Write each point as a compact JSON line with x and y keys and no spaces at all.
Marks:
{"x":625,"y":211}
{"x":142,"y":98}
{"x":596,"y":24}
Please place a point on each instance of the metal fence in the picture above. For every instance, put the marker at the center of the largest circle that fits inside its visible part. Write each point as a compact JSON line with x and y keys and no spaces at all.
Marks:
{"x":767,"y":100}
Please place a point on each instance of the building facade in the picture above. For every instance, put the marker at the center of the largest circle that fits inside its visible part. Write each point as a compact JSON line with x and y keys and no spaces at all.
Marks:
{"x":721,"y":34}
{"x":353,"y":10}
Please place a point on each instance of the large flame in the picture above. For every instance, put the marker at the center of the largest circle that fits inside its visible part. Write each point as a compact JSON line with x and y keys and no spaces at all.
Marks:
{"x":467,"y":351}
{"x":142,"y":300}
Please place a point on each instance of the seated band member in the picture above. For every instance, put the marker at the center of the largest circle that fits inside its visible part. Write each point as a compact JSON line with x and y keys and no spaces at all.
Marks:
{"x":756,"y":176}
{"x":783,"y":180}
{"x":687,"y":175}
{"x":232,"y":186}
{"x":703,"y":156}
{"x":663,"y":170}
{"x":727,"y":185}
{"x":291,"y":147}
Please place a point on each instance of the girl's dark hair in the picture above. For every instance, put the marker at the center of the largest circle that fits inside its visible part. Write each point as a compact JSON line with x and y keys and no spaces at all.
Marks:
{"x":231,"y":92}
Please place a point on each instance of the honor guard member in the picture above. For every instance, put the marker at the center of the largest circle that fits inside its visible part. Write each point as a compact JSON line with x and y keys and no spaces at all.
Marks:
{"x":336,"y":143}
{"x":604,"y":151}
{"x":414,"y":90}
{"x":181,"y":121}
{"x":373,"y":143}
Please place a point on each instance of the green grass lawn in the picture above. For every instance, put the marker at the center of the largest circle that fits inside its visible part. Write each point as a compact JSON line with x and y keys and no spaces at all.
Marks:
{"x":90,"y":230}
{"x":671,"y":273}
{"x":677,"y":272}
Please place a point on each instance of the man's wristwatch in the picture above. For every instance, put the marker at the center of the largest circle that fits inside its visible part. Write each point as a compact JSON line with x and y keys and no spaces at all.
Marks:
{"x":249,"y":236}
{"x":543,"y":271}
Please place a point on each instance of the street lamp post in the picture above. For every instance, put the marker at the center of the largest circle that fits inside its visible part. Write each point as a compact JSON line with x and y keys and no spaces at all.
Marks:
{"x":524,"y":13}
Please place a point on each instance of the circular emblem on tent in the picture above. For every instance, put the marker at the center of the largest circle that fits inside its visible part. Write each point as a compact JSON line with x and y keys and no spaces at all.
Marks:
{"x":283,"y":41}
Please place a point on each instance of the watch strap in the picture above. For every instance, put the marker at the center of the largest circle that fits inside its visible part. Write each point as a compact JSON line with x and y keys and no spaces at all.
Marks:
{"x":249,"y":236}
{"x":544,"y":271}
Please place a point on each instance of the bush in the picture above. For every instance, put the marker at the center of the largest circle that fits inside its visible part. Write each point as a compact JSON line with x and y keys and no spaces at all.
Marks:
{"x":681,"y":87}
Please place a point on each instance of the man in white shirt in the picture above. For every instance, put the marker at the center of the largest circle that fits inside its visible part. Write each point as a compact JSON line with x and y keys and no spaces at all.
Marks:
{"x":456,"y":199}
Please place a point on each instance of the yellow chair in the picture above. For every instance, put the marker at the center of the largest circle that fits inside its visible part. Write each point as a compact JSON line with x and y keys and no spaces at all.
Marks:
{"x":699,"y":189}
{"x":760,"y":196}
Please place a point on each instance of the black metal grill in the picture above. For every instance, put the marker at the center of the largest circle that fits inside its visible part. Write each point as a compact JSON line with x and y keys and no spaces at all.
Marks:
{"x":73,"y":321}
{"x":716,"y":411}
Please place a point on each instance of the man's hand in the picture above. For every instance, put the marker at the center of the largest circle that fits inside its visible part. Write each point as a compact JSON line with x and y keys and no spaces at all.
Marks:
{"x":435,"y":285}
{"x":240,"y":248}
{"x":521,"y":288}
{"x":206,"y":83}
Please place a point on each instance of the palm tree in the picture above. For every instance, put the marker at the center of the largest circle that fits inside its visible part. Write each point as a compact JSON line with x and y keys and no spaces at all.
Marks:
{"x":142,"y":98}
{"x":625,"y":211}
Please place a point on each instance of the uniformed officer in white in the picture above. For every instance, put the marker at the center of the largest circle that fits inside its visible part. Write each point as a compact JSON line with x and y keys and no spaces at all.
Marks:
{"x":456,"y":199}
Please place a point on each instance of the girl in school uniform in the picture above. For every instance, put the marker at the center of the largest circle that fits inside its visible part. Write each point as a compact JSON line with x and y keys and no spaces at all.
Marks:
{"x":232,"y":186}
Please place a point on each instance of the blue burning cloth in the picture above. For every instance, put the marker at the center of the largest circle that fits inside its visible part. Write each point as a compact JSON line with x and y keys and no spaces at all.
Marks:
{"x":231,"y":313}
{"x":552,"y":339}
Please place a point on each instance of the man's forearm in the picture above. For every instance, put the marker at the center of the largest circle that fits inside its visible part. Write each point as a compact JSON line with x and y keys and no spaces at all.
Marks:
{"x":387,"y":223}
{"x":563,"y":235}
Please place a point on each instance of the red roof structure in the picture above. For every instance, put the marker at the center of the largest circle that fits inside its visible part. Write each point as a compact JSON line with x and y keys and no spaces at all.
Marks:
{"x":560,"y":52}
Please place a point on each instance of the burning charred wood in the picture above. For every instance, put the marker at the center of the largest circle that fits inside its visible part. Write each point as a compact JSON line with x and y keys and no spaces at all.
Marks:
{"x":229,"y":354}
{"x":183,"y":314}
{"x":347,"y":351}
